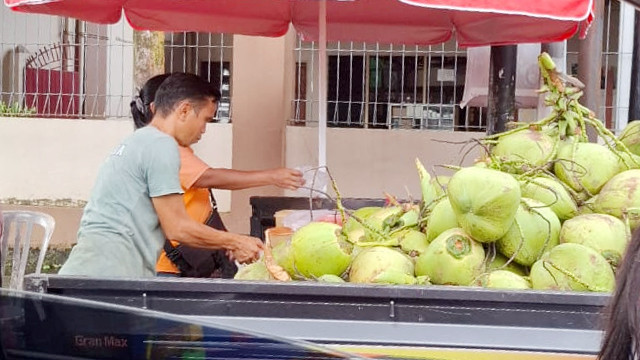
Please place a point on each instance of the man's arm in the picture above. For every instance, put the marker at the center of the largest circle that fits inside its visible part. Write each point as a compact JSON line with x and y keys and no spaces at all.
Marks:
{"x":177,"y":225}
{"x":229,"y":179}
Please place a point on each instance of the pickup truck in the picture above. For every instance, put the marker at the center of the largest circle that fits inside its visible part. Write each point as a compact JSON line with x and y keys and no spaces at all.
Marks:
{"x":407,"y":322}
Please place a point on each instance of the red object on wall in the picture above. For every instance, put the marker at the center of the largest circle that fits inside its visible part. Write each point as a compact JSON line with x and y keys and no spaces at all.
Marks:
{"x":54,"y":93}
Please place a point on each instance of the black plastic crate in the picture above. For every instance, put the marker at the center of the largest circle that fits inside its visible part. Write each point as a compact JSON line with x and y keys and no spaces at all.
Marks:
{"x":265,"y":207}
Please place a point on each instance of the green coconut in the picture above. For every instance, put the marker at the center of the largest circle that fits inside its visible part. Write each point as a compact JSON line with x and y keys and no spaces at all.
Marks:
{"x":620,"y":197}
{"x":498,"y":263}
{"x":604,"y":233}
{"x":585,"y":166}
{"x":588,"y":207}
{"x":439,"y":183}
{"x":534,"y":231}
{"x":442,"y":218}
{"x":453,"y":258}
{"x":409,"y":218}
{"x":503,"y":279}
{"x":362,"y":213}
{"x":426,"y":188}
{"x":630,"y":137}
{"x":356,"y":250}
{"x":382,"y":265}
{"x":383,"y":220}
{"x":283,"y":256}
{"x":254,"y":271}
{"x":628,"y":161}
{"x":319,"y":249}
{"x":572,"y":266}
{"x":330,"y":278}
{"x":551,"y":193}
{"x":356,"y":236}
{"x":485,"y":202}
{"x":381,"y":223}
{"x":411,"y":241}
{"x":524,"y":150}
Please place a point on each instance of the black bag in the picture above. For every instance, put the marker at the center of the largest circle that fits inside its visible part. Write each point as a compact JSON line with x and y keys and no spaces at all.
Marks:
{"x":202,"y":263}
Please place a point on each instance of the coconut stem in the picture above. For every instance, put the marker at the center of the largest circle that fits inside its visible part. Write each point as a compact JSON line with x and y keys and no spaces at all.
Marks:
{"x":458,"y":246}
{"x":515,"y":253}
{"x":546,"y":187}
{"x":607,"y":135}
{"x":548,"y":239}
{"x":508,"y":132}
{"x":573,"y":277}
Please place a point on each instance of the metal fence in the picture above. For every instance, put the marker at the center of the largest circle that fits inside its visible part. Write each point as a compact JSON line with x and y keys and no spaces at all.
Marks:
{"x":63,"y":68}
{"x":207,"y":55}
{"x":59,"y":67}
{"x":420,"y":87}
{"x":386,"y":86}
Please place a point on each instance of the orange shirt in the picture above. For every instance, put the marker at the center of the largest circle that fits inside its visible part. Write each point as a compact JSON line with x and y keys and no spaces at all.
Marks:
{"x":196,"y":200}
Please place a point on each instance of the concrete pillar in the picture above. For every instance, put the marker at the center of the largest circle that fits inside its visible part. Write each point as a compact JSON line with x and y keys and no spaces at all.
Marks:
{"x":625,"y":62}
{"x":262,"y":89}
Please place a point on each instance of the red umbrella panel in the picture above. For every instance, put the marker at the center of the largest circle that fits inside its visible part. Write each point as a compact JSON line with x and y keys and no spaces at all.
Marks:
{"x":473,"y":22}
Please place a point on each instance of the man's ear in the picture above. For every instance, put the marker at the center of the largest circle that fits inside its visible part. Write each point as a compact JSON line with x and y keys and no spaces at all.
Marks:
{"x":183,"y":109}
{"x":152,"y":106}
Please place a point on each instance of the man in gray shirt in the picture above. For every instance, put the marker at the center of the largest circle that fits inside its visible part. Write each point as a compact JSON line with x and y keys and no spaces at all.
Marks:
{"x":137,"y":200}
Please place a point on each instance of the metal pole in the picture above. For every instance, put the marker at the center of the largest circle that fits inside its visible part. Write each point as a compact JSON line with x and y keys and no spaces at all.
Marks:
{"x":634,"y":96}
{"x":590,"y":65}
{"x":80,"y":52}
{"x":501,"y":106}
{"x":322,"y":84}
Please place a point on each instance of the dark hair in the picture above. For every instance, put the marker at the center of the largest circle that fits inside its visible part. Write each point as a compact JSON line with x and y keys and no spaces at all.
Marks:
{"x":183,"y":86}
{"x":622,"y":331}
{"x":141,"y":104}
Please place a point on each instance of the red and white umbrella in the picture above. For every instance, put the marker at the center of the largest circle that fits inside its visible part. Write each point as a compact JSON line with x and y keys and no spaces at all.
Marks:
{"x":473,"y":22}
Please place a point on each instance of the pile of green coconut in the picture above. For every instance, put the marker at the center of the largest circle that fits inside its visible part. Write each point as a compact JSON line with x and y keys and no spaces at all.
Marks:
{"x":544,"y":208}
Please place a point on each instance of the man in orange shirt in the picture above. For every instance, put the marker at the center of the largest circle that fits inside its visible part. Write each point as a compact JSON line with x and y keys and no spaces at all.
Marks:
{"x":196,"y":177}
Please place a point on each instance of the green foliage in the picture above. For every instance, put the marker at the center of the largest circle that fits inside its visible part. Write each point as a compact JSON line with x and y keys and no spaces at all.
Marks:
{"x":15,"y":110}
{"x":53,"y":260}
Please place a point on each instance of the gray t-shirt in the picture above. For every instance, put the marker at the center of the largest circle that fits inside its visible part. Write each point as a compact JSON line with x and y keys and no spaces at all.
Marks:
{"x":120,"y":235}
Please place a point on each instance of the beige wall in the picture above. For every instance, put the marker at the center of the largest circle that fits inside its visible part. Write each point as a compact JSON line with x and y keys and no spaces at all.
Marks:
{"x":259,"y":101}
{"x":52,"y":163}
{"x":59,"y":159}
{"x":54,"y":159}
{"x":366,"y":163}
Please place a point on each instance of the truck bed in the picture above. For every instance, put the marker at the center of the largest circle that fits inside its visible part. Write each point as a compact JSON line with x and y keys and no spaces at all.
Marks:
{"x":367,"y":317}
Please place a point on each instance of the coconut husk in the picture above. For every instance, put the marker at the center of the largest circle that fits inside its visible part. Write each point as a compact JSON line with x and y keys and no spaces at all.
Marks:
{"x":274,"y":269}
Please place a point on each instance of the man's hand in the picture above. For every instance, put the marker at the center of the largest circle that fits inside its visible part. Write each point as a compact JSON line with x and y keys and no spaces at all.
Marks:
{"x":247,"y":249}
{"x":287,"y":178}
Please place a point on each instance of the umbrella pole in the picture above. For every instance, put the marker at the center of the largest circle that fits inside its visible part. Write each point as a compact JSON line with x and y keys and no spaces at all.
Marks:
{"x":322,"y":84}
{"x":590,"y":65}
{"x":501,"y":106}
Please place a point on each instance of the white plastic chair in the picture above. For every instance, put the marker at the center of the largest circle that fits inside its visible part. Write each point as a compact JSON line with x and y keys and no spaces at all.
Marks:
{"x":17,"y":230}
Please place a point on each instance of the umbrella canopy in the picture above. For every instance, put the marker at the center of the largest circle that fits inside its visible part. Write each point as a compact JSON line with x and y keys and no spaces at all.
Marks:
{"x":419,"y":22}
{"x":474,"y":22}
